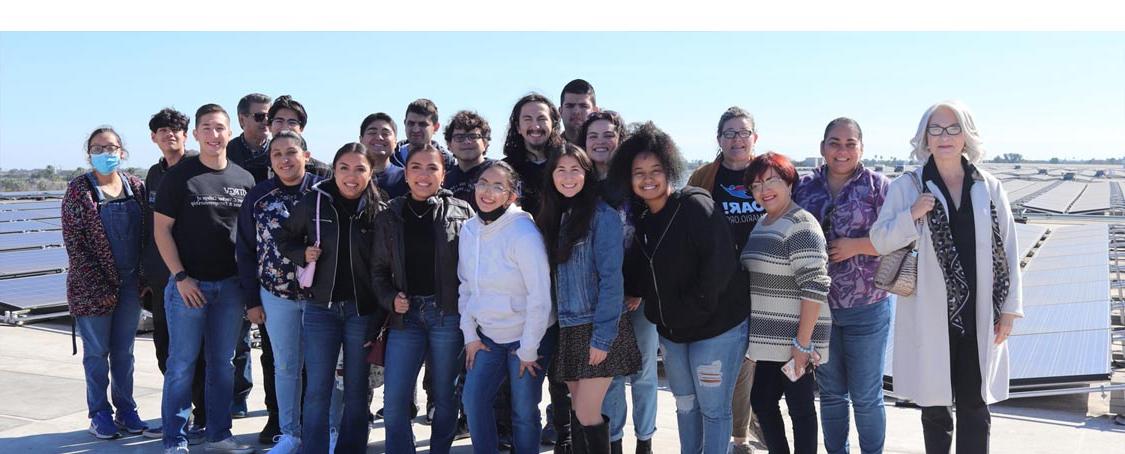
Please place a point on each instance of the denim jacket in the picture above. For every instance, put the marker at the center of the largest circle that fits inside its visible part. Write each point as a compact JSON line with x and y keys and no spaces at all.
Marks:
{"x":589,"y":287}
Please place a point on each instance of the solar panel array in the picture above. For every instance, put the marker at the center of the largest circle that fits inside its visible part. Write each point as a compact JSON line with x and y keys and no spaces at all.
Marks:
{"x":32,"y":258}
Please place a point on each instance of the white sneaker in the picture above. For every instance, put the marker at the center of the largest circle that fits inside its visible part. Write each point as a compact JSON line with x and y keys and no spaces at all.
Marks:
{"x":177,"y":450}
{"x":288,"y":444}
{"x":229,"y":446}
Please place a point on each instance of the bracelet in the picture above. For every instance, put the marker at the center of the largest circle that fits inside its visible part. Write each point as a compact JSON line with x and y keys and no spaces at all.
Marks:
{"x":801,"y":348}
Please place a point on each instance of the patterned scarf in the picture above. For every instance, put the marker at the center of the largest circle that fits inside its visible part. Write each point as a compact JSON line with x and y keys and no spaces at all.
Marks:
{"x":956,"y":285}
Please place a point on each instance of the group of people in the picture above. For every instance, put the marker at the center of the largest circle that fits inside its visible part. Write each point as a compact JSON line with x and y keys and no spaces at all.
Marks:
{"x":571,"y":260}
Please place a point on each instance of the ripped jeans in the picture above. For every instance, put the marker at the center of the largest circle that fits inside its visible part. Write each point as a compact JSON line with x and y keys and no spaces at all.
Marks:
{"x":702,"y":376}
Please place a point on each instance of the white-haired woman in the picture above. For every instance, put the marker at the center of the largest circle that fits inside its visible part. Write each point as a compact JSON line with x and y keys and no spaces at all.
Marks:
{"x":950,"y":334}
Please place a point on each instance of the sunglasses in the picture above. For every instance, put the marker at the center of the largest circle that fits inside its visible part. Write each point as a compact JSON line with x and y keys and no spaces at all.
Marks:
{"x":260,"y":117}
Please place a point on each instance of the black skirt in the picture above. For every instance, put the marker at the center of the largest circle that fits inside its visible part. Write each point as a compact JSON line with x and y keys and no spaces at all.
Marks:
{"x":573,"y":359}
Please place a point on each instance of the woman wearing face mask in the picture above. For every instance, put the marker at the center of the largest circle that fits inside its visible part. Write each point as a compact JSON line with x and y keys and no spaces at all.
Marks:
{"x":787,"y":261}
{"x":505,"y":305}
{"x":414,"y":274}
{"x":273,"y":297}
{"x":684,"y":265}
{"x":968,"y":292}
{"x":103,"y":216}
{"x":332,"y":225}
{"x":583,"y":237}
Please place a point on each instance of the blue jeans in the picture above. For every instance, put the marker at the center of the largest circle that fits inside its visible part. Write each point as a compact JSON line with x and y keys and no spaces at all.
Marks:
{"x":107,"y":351}
{"x":214,"y":327}
{"x":283,"y":318}
{"x":482,"y":383}
{"x":702,"y":376}
{"x":854,"y":372}
{"x":425,"y":332}
{"x":644,"y":384}
{"x":327,"y":328}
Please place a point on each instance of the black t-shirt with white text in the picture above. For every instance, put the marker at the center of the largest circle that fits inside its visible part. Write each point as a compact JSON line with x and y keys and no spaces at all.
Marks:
{"x":204,"y":203}
{"x":742,"y":211}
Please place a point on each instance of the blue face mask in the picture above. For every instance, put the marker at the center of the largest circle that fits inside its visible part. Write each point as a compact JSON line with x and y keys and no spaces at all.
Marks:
{"x":105,"y":163}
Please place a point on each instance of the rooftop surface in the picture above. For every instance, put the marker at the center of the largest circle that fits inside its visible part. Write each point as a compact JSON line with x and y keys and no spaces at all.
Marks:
{"x":43,"y":409}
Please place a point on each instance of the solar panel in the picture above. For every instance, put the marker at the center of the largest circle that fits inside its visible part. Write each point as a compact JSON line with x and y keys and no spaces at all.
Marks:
{"x":30,"y":239}
{"x":34,"y":292}
{"x":1058,"y":199}
{"x":1060,"y":355}
{"x":33,"y":261}
{"x":27,"y":226}
{"x":1094,"y":199}
{"x":34,"y":205}
{"x":27,"y":215}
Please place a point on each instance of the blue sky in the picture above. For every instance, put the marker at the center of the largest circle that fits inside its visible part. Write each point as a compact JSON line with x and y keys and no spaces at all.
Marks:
{"x":1038,"y":94}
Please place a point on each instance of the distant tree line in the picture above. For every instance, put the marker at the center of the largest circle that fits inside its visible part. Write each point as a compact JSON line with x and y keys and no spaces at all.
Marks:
{"x":46,"y":179}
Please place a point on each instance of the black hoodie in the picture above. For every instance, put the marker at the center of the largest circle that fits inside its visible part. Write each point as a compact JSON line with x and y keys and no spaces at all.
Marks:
{"x":685,"y":266}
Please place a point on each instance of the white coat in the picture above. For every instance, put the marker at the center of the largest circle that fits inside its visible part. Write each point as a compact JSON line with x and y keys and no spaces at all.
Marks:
{"x":921,"y":344}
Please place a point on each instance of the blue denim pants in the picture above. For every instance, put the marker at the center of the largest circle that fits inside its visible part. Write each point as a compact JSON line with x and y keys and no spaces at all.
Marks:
{"x":425,"y":332}
{"x":702,"y":375}
{"x":283,"y":318}
{"x":213,"y":329}
{"x":483,"y":381}
{"x":327,"y":329}
{"x":107,"y":351}
{"x":853,"y":377}
{"x":643,"y":385}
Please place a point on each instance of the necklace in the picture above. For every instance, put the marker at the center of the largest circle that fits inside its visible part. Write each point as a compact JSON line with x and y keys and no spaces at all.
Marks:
{"x":416,"y":214}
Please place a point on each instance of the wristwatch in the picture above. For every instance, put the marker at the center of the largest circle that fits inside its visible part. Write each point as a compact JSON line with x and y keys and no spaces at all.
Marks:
{"x":181,"y":276}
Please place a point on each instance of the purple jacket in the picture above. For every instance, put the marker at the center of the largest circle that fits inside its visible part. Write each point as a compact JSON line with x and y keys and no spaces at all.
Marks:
{"x":850,"y":215}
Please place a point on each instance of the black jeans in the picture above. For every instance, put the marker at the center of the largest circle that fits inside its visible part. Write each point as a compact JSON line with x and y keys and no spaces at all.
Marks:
{"x":974,"y":420}
{"x":770,"y":383}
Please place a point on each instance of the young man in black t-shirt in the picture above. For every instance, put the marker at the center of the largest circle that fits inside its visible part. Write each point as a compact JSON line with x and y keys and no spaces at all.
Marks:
{"x":467,"y":135}
{"x":194,"y":225}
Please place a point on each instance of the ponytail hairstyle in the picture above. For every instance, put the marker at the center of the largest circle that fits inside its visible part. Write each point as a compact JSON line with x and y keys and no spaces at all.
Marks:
{"x":371,"y":194}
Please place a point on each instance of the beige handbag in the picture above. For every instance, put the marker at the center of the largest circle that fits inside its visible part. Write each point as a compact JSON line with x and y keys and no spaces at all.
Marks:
{"x":898,"y":271}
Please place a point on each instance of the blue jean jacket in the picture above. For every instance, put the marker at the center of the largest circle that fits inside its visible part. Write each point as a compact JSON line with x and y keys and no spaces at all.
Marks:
{"x":589,"y":287}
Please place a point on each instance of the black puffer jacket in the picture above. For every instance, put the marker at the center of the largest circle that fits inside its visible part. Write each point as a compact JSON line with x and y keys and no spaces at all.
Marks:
{"x":684,"y":265}
{"x":299,"y":232}
{"x":388,"y":266}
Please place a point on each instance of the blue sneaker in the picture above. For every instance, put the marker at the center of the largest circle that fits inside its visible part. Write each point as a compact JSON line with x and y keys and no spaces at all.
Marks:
{"x":130,"y":422}
{"x":101,"y":426}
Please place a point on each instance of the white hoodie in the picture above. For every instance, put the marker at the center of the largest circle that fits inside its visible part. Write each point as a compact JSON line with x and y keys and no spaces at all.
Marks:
{"x":505,"y":282}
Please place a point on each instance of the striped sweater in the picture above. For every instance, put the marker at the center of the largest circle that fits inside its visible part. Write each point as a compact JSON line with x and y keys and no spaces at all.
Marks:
{"x":787,"y":264}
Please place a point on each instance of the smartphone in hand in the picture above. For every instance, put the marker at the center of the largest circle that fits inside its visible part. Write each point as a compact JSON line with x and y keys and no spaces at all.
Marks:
{"x":790,"y":367}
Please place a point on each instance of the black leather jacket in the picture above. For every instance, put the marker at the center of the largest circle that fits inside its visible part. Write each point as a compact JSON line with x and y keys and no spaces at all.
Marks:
{"x":388,"y":266}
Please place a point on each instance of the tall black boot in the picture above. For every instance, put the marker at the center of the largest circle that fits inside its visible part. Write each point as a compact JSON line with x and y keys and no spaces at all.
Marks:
{"x":595,"y":438}
{"x":615,"y":447}
{"x":567,"y":444}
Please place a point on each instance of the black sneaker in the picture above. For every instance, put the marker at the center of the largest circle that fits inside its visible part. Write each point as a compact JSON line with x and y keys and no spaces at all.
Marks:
{"x":462,"y":429}
{"x":269,"y":434}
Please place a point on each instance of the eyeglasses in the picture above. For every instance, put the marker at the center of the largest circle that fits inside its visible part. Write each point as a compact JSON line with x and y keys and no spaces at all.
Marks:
{"x":99,"y":149}
{"x":495,"y":188}
{"x":745,"y":134}
{"x":260,"y":117}
{"x":282,"y":122}
{"x":953,"y":130}
{"x":771,"y":182}
{"x":467,"y":137}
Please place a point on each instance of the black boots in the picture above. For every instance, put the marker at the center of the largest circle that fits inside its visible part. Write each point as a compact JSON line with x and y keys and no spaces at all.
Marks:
{"x":615,"y":447}
{"x":591,"y":439}
{"x":644,"y":446}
